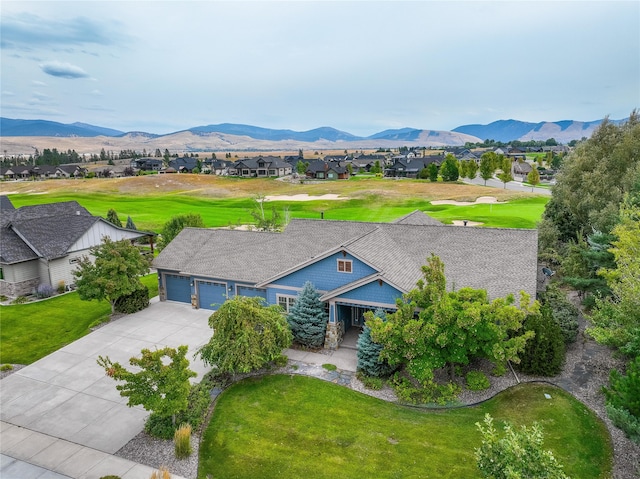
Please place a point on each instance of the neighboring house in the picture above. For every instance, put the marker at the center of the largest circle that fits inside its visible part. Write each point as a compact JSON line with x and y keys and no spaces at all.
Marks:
{"x":521,"y":168}
{"x":70,"y":171}
{"x":41,"y":244}
{"x":357,"y":267}
{"x":403,"y":167}
{"x":218,"y":167}
{"x":147,"y":164}
{"x":184,"y":165}
{"x":262,"y":167}
{"x":322,"y":170}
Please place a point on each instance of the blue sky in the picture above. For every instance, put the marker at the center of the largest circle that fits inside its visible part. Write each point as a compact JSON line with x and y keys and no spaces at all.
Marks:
{"x":360,"y":66}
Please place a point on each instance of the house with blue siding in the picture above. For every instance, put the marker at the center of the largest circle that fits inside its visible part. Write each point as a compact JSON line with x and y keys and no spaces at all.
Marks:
{"x":356,"y":266}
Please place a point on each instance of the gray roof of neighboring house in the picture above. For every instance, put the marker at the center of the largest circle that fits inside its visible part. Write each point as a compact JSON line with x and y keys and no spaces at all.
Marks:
{"x":43,"y":231}
{"x":501,"y":261}
{"x":418,"y":217}
{"x":6,"y":204}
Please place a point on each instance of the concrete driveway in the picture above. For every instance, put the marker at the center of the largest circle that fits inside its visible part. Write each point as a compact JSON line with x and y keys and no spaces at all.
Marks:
{"x":67,"y":395}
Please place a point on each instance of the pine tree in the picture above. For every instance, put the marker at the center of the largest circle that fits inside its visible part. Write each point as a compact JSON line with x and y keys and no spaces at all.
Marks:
{"x":112,"y":217}
{"x":130,"y":224}
{"x":369,"y":361}
{"x":307,"y":318}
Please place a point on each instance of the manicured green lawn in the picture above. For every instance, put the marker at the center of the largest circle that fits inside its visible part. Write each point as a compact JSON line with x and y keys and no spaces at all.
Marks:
{"x":30,"y":331}
{"x":150,"y":212}
{"x":293,"y":426}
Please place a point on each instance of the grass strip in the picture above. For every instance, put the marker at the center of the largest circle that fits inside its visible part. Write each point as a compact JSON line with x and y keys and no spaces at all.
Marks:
{"x":31,"y":331}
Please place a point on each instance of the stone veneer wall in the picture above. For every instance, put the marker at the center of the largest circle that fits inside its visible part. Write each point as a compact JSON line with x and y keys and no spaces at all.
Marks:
{"x":333,"y":336}
{"x":23,"y":288}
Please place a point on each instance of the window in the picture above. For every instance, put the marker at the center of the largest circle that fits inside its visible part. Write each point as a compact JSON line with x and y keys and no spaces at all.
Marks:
{"x":1,"y":274}
{"x":245,"y":172}
{"x":286,"y":302}
{"x":74,"y":260}
{"x":344,"y":266}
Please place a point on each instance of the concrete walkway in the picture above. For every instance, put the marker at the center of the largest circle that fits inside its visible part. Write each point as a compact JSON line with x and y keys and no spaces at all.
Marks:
{"x":63,"y":414}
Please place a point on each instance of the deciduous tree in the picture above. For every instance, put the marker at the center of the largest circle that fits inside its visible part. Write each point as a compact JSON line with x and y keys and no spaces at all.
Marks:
{"x":449,"y":169}
{"x":488,"y":162}
{"x":506,"y":175}
{"x":517,"y":455}
{"x":114,"y":272}
{"x":175,"y":225}
{"x":432,"y":328}
{"x":247,"y":336}
{"x":533,"y":178}
{"x":161,"y":385}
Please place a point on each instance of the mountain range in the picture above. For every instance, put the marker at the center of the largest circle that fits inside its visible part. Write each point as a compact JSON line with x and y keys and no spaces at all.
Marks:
{"x":229,"y":136}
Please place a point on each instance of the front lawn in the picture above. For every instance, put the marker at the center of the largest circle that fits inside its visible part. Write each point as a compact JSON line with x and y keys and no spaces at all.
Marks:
{"x":31,"y":331}
{"x":294,"y":426}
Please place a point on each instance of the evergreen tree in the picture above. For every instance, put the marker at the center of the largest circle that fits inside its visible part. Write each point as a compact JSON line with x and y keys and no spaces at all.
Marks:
{"x":433,"y":172}
{"x":307,"y":318}
{"x":112,"y":217}
{"x":130,"y":224}
{"x":369,"y":361}
{"x":544,"y":353}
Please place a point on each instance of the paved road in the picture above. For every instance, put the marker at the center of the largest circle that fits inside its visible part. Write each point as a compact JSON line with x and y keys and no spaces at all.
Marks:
{"x":512,"y":185}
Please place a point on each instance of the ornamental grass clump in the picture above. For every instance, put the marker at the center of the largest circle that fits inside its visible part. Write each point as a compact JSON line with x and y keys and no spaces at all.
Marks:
{"x":182,"y":441}
{"x":162,"y":473}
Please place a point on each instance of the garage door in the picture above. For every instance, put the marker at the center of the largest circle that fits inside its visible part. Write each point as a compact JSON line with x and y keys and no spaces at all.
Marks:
{"x":252,"y":292}
{"x":211,"y":295}
{"x":178,"y":288}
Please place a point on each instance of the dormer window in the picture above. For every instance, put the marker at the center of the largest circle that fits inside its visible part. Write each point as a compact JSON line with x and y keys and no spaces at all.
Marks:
{"x":344,"y":266}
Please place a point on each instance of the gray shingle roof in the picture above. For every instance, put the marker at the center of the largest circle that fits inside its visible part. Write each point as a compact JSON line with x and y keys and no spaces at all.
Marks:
{"x":46,"y":231}
{"x":417,"y":217}
{"x":501,"y":261}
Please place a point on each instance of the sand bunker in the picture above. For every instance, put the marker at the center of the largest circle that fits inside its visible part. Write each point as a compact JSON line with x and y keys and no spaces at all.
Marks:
{"x":469,"y":223}
{"x":304,"y":197}
{"x":481,"y":199}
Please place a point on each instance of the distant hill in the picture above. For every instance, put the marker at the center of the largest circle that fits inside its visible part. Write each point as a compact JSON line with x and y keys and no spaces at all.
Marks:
{"x":11,"y":127}
{"x":21,"y":136}
{"x":509,"y":130}
{"x":323,"y":133}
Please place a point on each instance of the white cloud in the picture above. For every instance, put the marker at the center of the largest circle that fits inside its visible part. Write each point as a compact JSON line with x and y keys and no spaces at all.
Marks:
{"x":63,"y":70}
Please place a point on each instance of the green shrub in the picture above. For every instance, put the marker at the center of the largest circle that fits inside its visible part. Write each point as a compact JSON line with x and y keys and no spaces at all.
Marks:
{"x":3,"y":298}
{"x":544,"y":353}
{"x":281,"y":361}
{"x":562,"y":311}
{"x":6,"y":367}
{"x":477,"y":381}
{"x":182,"y":441}
{"x":199,"y":400}
{"x":430,"y":392}
{"x":370,"y":382}
{"x":624,"y":389}
{"x":61,"y":287}
{"x":134,"y":302}
{"x":330,"y":367}
{"x":19,"y":300}
{"x":623,"y":419}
